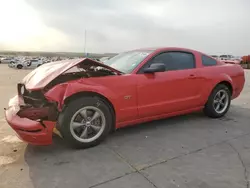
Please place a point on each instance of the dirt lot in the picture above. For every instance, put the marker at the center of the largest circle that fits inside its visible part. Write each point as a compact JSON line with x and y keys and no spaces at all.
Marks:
{"x":189,"y":151}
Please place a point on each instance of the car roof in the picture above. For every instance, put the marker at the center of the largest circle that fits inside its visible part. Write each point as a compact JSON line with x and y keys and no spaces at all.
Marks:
{"x":165,"y":48}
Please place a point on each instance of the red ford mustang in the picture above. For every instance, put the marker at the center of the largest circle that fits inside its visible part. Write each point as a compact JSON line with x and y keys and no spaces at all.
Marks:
{"x":83,"y":100}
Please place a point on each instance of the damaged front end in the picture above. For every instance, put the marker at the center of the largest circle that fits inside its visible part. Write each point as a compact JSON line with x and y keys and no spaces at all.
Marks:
{"x":32,"y":116}
{"x":31,"y":113}
{"x":35,"y":106}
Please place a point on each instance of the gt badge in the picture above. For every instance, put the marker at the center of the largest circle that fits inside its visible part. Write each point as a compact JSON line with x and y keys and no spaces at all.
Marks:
{"x":127,"y":97}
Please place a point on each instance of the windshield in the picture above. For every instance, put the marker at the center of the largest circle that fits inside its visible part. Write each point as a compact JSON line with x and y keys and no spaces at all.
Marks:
{"x":126,"y":62}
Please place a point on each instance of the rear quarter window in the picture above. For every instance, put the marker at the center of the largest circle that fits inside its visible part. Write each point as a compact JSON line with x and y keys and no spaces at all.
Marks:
{"x":208,"y":61}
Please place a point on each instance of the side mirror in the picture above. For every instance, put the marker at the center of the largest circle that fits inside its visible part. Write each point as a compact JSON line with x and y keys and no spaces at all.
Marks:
{"x":155,"y":67}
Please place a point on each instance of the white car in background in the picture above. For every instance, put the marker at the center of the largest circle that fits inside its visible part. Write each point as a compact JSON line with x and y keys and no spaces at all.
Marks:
{"x":215,"y":56}
{"x":230,"y":57}
{"x":28,"y":64}
{"x":237,"y":58}
{"x":7,"y":60}
{"x":225,"y":57}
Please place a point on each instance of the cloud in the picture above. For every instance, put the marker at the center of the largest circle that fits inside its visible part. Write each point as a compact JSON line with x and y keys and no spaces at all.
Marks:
{"x":22,"y":29}
{"x":112,"y":26}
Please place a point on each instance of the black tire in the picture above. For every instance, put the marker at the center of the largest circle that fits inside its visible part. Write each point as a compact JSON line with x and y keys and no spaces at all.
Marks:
{"x":19,"y":66}
{"x":39,"y":65}
{"x":209,"y":109}
{"x":68,"y":112}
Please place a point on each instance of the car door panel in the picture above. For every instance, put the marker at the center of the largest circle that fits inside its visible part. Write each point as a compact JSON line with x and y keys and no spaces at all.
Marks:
{"x":169,"y":91}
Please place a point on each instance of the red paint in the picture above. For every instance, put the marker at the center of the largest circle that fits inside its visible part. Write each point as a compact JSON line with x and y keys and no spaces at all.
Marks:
{"x":152,"y":96}
{"x":28,"y":130}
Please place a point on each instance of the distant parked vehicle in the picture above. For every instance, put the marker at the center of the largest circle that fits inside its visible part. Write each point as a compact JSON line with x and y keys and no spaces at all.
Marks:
{"x":230,"y":59}
{"x":215,"y":56}
{"x":7,"y":60}
{"x":226,"y":57}
{"x":12,"y":64}
{"x":30,"y":64}
{"x":237,"y":58}
{"x":95,"y":59}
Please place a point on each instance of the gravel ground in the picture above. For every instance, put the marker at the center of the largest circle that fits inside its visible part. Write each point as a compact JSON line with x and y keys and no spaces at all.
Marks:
{"x":189,"y":151}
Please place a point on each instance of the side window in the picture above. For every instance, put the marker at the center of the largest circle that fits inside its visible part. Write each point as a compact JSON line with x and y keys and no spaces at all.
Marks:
{"x":175,"y":60}
{"x":207,"y":61}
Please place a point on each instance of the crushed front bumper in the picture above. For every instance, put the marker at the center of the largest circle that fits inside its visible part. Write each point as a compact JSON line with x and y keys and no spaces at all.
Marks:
{"x":33,"y":132}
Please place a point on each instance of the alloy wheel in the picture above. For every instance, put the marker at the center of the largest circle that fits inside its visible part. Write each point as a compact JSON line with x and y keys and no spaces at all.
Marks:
{"x":221,"y":101}
{"x":87,"y":124}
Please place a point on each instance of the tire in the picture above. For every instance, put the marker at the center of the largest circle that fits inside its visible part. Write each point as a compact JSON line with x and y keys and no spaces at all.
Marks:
{"x":39,"y":65}
{"x":69,"y":115}
{"x":210,"y":107}
{"x":19,"y":66}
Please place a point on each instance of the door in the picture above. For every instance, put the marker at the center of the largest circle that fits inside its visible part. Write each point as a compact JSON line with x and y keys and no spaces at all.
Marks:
{"x":176,"y":89}
{"x":29,"y":63}
{"x":33,"y":64}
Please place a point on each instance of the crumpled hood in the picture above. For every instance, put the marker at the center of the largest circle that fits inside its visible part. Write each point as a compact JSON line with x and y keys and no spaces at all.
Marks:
{"x":44,"y":74}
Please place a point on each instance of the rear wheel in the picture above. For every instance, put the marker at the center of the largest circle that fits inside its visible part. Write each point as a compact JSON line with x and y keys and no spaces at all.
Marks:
{"x":218,"y":102}
{"x":85,"y":122}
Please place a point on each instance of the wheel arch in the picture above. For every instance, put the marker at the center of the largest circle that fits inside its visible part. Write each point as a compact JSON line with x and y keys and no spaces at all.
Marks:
{"x":209,"y":108}
{"x":226,"y":83}
{"x":93,"y":94}
{"x":213,"y":86}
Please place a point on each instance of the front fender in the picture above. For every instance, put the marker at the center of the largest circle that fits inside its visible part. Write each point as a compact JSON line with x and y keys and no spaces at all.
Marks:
{"x":61,"y":92}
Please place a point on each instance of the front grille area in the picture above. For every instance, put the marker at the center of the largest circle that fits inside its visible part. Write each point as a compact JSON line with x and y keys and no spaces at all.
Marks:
{"x":36,"y":105}
{"x":33,"y":98}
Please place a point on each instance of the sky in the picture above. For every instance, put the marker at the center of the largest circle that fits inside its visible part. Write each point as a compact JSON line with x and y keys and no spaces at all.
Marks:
{"x":210,"y":26}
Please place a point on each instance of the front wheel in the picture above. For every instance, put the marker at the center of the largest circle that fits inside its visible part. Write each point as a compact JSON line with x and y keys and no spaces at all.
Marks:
{"x":85,"y":122}
{"x":218,"y":102}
